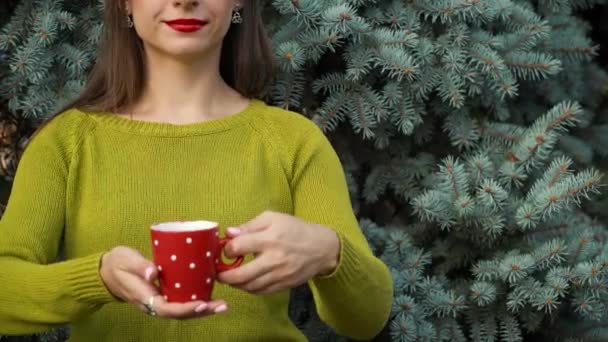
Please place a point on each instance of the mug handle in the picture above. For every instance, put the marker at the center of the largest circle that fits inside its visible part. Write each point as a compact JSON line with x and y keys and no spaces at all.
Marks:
{"x":221,"y":266}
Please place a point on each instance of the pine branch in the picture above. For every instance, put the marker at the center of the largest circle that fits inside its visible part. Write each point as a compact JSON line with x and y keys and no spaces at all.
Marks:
{"x":483,"y":293}
{"x":533,"y":66}
{"x":307,"y":12}
{"x":333,"y":111}
{"x":547,"y":201}
{"x":536,"y":144}
{"x":502,"y":133}
{"x":288,"y":90}
{"x":445,"y":11}
{"x":509,"y":329}
{"x":290,"y":56}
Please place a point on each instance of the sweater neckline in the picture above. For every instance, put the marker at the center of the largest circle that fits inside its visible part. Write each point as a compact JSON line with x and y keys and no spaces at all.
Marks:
{"x":165,"y":129}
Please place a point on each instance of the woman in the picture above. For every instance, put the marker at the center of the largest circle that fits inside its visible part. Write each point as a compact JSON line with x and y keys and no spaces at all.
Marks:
{"x":171,"y":127}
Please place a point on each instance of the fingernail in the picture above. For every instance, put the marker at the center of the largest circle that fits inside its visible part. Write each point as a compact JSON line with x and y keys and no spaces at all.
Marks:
{"x":201,"y":307}
{"x":221,"y":308}
{"x":233,"y":231}
{"x":149,"y":271}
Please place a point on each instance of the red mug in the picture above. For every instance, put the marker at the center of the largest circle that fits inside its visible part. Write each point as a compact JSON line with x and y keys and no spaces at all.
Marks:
{"x":188,"y":256}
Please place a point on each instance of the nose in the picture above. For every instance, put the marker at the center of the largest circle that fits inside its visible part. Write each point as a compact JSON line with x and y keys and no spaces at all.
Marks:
{"x":186,"y":3}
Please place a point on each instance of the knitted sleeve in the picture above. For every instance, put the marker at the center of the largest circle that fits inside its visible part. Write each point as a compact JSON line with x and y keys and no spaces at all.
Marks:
{"x":37,"y":293}
{"x":355,"y":300}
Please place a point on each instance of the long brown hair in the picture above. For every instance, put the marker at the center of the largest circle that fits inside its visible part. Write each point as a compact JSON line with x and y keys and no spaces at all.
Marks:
{"x":116,"y":81}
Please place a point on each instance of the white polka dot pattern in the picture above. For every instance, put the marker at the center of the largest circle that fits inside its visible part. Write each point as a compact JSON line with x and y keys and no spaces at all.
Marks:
{"x":183,"y":260}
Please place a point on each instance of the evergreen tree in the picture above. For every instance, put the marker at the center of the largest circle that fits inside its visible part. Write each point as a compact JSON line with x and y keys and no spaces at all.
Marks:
{"x":468,"y":130}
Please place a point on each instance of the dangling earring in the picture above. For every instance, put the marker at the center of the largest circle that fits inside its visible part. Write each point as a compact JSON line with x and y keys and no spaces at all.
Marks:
{"x":130,"y":22}
{"x":236,"y":16}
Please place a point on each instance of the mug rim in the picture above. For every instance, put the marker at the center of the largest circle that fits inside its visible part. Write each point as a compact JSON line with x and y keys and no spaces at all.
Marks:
{"x":184,"y":226}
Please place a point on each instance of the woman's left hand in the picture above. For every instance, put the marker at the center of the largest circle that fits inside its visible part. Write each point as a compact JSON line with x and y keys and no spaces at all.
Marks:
{"x":288,"y":252}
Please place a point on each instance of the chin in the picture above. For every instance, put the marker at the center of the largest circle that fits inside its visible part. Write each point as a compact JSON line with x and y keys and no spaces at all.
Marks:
{"x":187,"y":52}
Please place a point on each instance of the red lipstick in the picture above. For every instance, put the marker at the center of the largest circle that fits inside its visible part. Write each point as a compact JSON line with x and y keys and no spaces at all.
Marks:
{"x":186,"y":25}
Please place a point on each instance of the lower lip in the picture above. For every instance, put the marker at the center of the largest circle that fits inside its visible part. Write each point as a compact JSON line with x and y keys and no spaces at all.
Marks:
{"x":185,"y":28}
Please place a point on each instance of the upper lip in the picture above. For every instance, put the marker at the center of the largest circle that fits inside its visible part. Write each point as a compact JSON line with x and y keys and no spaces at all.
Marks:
{"x":186,"y":21}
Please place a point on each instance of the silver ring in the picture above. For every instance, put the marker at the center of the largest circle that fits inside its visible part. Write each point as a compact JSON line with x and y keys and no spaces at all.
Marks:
{"x":150,"y":307}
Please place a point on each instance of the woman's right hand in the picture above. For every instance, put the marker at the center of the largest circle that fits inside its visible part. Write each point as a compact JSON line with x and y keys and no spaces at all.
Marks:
{"x":130,"y":277}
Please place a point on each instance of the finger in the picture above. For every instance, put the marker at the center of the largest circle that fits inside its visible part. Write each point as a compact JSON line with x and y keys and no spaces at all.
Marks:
{"x":134,"y":262}
{"x":210,"y":308}
{"x":273,"y":288}
{"x":246,"y":244}
{"x":150,"y":273}
{"x":248,"y":272}
{"x":257,"y":224}
{"x":257,"y":285}
{"x":275,"y":281}
{"x":147,"y":304}
{"x":136,"y":286}
{"x":217,"y":306}
{"x":180,"y":310}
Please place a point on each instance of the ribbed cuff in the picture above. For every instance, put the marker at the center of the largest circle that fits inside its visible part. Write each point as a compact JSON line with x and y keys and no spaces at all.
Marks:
{"x":84,"y":281}
{"x":355,"y":300}
{"x":346,"y":271}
